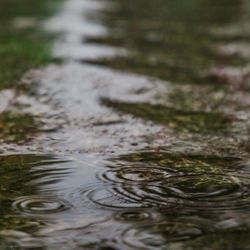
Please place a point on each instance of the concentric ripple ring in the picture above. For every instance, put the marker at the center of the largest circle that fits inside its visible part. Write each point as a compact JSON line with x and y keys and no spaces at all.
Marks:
{"x":40,"y":204}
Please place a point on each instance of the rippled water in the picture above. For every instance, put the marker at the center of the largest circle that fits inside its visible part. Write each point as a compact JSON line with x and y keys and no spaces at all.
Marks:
{"x":144,"y":131}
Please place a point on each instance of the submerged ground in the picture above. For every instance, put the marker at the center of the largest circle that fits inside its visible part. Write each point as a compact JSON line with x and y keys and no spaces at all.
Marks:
{"x":135,"y":135}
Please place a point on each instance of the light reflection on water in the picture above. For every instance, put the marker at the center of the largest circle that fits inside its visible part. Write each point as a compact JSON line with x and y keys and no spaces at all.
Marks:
{"x":130,"y":202}
{"x":113,"y":180}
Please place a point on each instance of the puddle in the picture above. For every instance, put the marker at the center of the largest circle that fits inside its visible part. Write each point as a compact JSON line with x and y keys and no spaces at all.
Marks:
{"x":138,"y":139}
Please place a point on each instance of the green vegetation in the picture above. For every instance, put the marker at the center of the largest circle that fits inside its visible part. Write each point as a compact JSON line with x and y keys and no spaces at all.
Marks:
{"x":179,"y":41}
{"x":179,"y":120}
{"x":204,"y":189}
{"x":16,"y":128}
{"x":23,"y":43}
{"x":174,"y":41}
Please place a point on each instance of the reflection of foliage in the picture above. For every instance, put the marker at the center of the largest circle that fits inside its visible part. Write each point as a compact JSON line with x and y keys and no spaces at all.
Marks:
{"x":204,"y":183}
{"x":17,"y":175}
{"x":21,"y":49}
{"x":188,"y":164}
{"x":227,"y":239}
{"x":16,"y":127}
{"x":191,"y":173}
{"x":191,"y":121}
{"x":169,"y":40}
{"x":201,"y":181}
{"x":14,"y":177}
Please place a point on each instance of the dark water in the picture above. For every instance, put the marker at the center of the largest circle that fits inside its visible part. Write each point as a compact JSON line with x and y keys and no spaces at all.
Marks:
{"x":143,"y":149}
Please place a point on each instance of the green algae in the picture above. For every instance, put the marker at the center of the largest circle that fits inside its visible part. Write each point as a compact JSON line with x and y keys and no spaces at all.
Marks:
{"x":17,"y":127}
{"x":179,"y":120}
{"x":23,"y":46}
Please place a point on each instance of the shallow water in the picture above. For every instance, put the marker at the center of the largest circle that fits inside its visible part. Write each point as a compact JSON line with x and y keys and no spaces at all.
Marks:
{"x":142,"y":138}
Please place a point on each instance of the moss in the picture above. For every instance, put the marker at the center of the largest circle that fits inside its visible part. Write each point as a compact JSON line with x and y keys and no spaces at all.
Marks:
{"x":16,"y":128}
{"x":27,"y":47}
{"x":179,"y":120}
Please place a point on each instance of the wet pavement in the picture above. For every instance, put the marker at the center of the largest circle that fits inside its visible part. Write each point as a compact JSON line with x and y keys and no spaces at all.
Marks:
{"x":141,"y":137}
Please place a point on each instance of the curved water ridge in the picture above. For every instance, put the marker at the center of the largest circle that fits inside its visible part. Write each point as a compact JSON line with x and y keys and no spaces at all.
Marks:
{"x":40,"y":205}
{"x":165,"y":180}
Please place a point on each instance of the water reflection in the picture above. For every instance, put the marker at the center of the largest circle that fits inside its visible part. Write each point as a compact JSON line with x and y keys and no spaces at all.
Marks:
{"x":163,"y":180}
{"x":172,"y":198}
{"x":22,"y":202}
{"x":140,"y":200}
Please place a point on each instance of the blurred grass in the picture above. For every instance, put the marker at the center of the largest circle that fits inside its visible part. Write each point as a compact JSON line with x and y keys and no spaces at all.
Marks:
{"x":171,"y":40}
{"x":23,"y":42}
